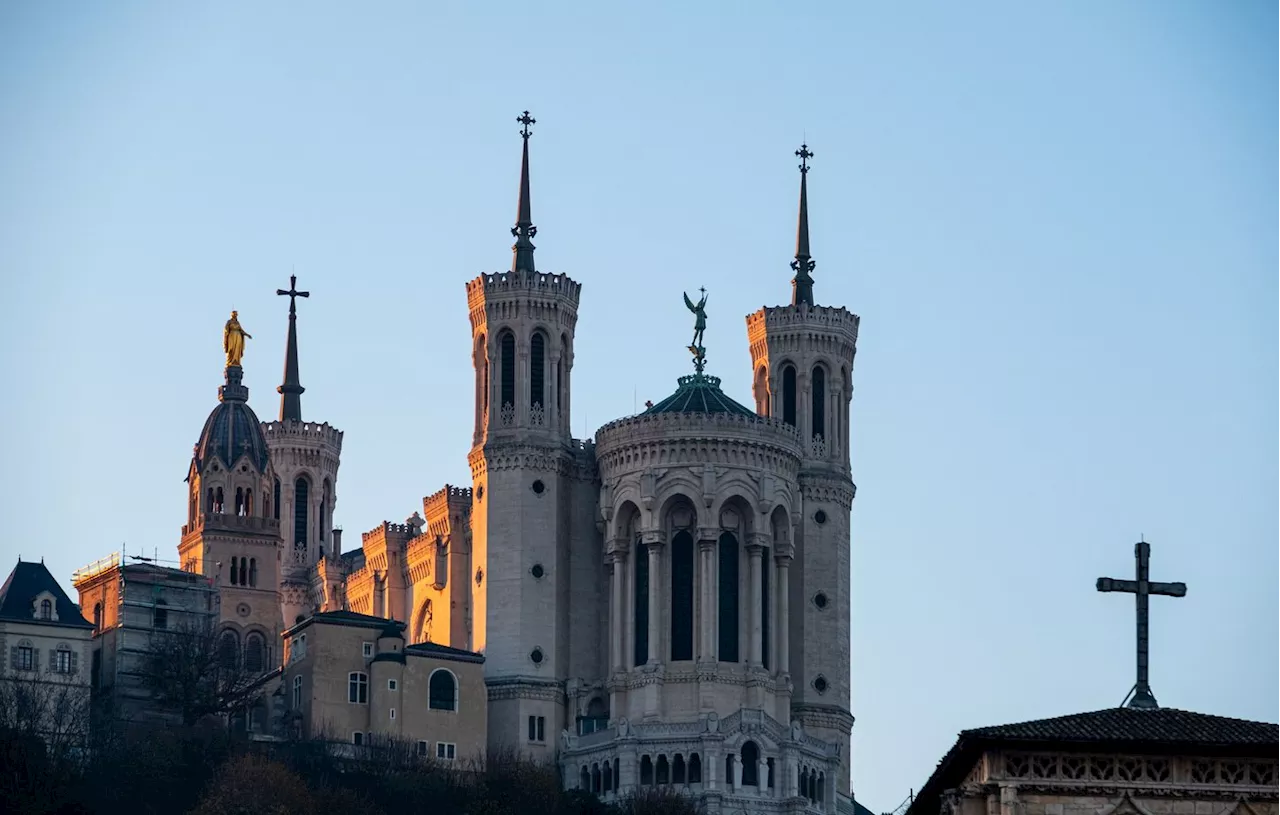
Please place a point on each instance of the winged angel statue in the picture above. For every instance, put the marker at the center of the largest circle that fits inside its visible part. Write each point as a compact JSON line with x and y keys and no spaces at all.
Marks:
{"x":699,"y":326}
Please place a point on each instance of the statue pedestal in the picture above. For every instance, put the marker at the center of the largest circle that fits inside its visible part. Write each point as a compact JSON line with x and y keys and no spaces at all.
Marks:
{"x":234,"y":391}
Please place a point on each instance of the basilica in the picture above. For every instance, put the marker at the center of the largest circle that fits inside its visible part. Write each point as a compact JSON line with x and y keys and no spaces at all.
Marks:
{"x":666,"y":603}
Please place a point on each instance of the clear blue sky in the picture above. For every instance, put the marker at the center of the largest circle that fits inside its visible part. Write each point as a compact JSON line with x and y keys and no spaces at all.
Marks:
{"x":1058,"y":222}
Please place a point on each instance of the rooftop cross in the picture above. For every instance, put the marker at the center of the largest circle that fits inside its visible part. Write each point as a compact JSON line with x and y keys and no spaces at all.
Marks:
{"x":524,"y":231}
{"x":804,"y":264}
{"x":293,"y":294}
{"x":1142,"y":588}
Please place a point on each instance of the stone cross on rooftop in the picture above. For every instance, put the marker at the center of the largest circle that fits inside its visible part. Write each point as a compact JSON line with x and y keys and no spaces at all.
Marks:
{"x":1142,"y":588}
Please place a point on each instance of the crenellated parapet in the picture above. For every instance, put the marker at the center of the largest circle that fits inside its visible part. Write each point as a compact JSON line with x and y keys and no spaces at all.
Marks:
{"x":816,"y":331}
{"x":522,"y":287}
{"x":445,"y":509}
{"x":296,"y":445}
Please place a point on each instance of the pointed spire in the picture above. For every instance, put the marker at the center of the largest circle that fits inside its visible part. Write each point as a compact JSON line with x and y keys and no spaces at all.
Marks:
{"x":802,"y":283}
{"x":524,"y":230}
{"x":291,"y":390}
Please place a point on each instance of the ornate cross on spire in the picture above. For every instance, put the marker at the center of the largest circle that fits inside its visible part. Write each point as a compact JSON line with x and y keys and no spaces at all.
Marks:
{"x":1142,"y":588}
{"x":524,"y":231}
{"x":805,"y":154}
{"x":291,"y":389}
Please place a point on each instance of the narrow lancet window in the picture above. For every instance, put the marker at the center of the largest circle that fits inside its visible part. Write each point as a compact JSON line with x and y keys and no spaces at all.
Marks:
{"x":682,"y":596}
{"x":728,"y":606}
{"x":641,"y":633}
{"x":789,"y":395}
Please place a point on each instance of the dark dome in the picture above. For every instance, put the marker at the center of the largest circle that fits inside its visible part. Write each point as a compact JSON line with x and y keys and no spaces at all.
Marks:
{"x":699,"y":393}
{"x":231,"y":430}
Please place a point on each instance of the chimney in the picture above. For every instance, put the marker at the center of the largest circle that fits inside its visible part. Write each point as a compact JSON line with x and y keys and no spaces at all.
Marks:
{"x":337,"y":542}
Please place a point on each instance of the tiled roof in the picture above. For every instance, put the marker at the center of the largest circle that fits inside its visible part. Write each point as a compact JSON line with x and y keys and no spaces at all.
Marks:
{"x":1162,"y":725}
{"x":19,"y":593}
{"x":699,"y":393}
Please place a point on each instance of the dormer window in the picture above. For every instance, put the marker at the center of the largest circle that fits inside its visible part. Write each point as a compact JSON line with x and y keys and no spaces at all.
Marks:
{"x":43,"y":607}
{"x":46,"y":609}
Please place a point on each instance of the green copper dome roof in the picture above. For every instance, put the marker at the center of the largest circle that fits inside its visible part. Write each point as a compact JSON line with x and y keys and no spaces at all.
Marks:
{"x":699,"y":393}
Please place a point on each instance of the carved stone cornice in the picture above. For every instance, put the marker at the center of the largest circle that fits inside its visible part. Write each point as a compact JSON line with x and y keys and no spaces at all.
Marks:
{"x":828,"y":488}
{"x":653,"y":538}
{"x":504,"y":688}
{"x":829,"y":716}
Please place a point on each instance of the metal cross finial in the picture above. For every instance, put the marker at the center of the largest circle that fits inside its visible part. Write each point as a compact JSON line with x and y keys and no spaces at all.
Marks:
{"x":526,"y":120}
{"x":293,"y":295}
{"x":805,"y":154}
{"x":1142,"y":588}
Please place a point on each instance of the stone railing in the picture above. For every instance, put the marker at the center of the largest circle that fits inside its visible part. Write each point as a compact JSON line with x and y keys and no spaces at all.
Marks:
{"x":228,"y":522}
{"x":292,"y":429}
{"x":700,"y":422}
{"x":99,"y":566}
{"x":837,"y":317}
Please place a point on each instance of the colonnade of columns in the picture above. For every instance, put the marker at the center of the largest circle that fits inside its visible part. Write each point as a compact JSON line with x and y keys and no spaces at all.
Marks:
{"x":752,"y":606}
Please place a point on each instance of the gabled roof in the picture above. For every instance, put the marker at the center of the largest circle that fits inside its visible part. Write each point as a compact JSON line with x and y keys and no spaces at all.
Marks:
{"x":19,"y":592}
{"x":1164,"y":731}
{"x":351,"y":618}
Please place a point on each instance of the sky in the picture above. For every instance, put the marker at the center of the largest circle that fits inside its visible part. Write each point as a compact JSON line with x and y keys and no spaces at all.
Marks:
{"x":1058,"y":223}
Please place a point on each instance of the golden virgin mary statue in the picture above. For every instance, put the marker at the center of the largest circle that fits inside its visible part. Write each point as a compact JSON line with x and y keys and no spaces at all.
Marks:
{"x":233,"y":337}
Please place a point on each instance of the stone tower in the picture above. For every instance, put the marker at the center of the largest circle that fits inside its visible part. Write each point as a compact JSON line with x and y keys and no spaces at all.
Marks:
{"x":522,"y":460}
{"x":232,"y":534}
{"x":802,"y":360}
{"x":304,"y":489}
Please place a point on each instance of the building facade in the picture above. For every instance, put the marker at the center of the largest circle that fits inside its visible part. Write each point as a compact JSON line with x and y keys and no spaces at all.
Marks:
{"x":351,"y":678}
{"x":1122,"y":761}
{"x":130,"y":604}
{"x":44,"y":683}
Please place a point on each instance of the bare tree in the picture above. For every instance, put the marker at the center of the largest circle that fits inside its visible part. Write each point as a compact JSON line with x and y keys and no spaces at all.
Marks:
{"x":194,"y":672}
{"x":50,"y":707}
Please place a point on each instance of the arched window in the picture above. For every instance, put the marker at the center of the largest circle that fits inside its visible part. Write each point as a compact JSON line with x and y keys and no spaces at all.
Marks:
{"x":442,"y":562}
{"x":608,"y":776}
{"x":239,"y":501}
{"x":275,"y":500}
{"x":728,"y":606}
{"x":695,"y":769}
{"x":506,"y":370}
{"x":789,"y":394}
{"x":160,"y":615}
{"x":481,"y":361}
{"x":646,"y":770}
{"x":97,"y":617}
{"x":640,"y":637}
{"x":244,"y":571}
{"x":301,"y":489}
{"x":728,"y":770}
{"x":819,"y":793}
{"x":46,"y":609}
{"x":297,"y":693}
{"x":750,"y":764}
{"x":819,"y":392}
{"x":253,"y":571}
{"x":235,"y":564}
{"x":584,"y":779}
{"x":191,"y":509}
{"x":255,"y":653}
{"x":766,"y":566}
{"x":682,"y":596}
{"x":537,"y":371}
{"x":218,"y":503}
{"x":228,"y":648}
{"x":678,"y":774}
{"x":208,"y":503}
{"x":664,"y":771}
{"x":769,"y":766}
{"x":248,"y":501}
{"x":266,"y":503}
{"x":442,"y":691}
{"x":595,"y":778}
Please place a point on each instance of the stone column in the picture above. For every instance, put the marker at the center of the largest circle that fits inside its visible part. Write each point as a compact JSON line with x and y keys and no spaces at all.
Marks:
{"x":617,"y":559}
{"x":707,"y":537}
{"x":782,"y":622}
{"x":755,"y":553}
{"x":653,"y":540}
